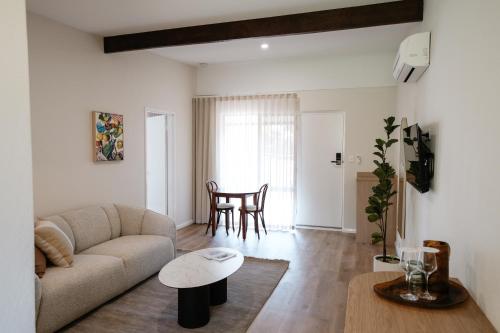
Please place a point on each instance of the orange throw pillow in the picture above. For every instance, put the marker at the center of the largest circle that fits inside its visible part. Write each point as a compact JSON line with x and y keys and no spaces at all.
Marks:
{"x":54,"y":243}
{"x":40,"y":262}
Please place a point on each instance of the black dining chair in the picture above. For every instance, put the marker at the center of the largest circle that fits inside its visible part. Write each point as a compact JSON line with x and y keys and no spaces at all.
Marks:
{"x":222,"y":207}
{"x":256,"y":210}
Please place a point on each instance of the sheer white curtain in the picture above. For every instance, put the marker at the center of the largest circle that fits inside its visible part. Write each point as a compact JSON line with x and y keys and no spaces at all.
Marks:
{"x":256,"y":144}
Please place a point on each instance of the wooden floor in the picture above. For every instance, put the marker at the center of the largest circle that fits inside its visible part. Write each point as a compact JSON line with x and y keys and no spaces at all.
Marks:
{"x":312,"y":295}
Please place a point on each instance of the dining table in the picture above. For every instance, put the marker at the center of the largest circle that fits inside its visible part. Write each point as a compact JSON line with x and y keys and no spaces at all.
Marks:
{"x":228,"y":194}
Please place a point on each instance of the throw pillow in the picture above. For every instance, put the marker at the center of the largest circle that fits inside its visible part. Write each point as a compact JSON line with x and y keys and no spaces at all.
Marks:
{"x":40,"y":262}
{"x":54,"y":243}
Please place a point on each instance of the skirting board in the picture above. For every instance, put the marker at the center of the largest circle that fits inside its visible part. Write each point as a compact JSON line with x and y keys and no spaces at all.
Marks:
{"x":344,"y":230}
{"x":184,"y":224}
{"x":316,"y":227}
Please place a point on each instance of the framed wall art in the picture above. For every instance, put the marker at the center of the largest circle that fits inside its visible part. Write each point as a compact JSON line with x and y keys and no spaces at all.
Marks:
{"x":108,"y":136}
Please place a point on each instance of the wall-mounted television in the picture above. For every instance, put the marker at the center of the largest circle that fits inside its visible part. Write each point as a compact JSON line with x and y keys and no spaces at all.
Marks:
{"x":419,"y":160}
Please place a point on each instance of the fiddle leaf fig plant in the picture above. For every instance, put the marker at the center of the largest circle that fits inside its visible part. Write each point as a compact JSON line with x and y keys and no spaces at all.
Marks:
{"x":380,"y":200}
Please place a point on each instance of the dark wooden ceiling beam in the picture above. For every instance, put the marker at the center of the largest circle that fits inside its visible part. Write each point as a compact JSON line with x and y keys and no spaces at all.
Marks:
{"x":395,"y":12}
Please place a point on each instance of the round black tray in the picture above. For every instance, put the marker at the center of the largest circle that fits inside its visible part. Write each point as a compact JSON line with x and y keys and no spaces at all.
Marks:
{"x":392,"y":289}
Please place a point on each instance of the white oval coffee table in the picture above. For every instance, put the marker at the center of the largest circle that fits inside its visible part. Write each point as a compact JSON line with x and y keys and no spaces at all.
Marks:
{"x":200,"y":282}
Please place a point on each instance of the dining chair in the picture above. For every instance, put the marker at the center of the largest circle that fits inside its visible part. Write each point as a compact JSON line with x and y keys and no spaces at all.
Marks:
{"x":256,"y":210}
{"x":222,"y":207}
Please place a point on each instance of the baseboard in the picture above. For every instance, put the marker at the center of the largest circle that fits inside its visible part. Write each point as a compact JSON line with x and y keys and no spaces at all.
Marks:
{"x":184,"y":224}
{"x":349,"y":231}
{"x":316,"y":227}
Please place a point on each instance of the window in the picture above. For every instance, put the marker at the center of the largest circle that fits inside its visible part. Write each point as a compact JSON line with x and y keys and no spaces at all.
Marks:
{"x":255,"y":144}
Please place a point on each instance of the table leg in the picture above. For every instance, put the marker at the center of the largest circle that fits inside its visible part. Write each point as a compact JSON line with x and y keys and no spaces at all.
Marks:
{"x":194,"y":306}
{"x":213,"y":206}
{"x":244,"y":216}
{"x":218,"y":292}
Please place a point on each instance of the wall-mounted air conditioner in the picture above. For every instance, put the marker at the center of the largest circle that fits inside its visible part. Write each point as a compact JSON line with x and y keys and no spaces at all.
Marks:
{"x":413,"y":57}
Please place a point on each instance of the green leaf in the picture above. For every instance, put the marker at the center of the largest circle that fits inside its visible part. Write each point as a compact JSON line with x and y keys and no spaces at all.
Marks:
{"x":391,"y":142}
{"x":389,"y":129}
{"x":380,"y":142}
{"x":379,"y":154}
{"x":376,"y":237}
{"x":373,"y":201}
{"x":373,"y":210}
{"x":377,"y":191}
{"x":408,"y":141}
{"x":373,"y":217}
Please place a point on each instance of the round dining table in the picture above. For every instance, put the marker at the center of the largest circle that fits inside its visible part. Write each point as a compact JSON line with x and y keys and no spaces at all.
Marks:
{"x":228,"y":194}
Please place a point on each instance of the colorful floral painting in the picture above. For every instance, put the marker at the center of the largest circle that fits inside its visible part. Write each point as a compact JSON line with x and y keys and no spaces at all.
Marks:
{"x":108,"y":136}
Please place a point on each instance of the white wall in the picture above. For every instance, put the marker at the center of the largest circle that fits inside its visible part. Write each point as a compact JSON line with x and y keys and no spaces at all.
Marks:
{"x":17,"y":300}
{"x":321,"y":85}
{"x":457,"y":100}
{"x":365,"y":109}
{"x":70,"y":77}
{"x":310,"y":73}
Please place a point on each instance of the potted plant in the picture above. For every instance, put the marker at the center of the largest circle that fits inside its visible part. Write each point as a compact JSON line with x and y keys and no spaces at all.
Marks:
{"x":380,"y":200}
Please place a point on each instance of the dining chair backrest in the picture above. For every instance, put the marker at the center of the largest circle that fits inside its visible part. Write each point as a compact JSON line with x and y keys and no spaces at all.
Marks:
{"x":211,"y":186}
{"x":261,"y":197}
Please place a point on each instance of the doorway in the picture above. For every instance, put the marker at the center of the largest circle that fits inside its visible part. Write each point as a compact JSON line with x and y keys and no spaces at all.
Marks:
{"x":320,"y":196}
{"x":160,"y":157}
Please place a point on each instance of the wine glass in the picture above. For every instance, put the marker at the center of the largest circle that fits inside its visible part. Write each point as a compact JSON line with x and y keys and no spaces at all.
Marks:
{"x":408,"y":262}
{"x":427,"y":265}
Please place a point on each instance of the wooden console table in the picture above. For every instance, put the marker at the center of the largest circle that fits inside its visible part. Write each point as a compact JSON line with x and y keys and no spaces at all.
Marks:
{"x":367,"y":312}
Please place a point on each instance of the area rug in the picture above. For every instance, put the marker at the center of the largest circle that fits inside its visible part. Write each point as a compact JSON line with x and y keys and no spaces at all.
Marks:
{"x":152,"y":307}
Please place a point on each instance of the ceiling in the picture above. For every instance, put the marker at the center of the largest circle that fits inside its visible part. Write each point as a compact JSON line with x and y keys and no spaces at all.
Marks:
{"x":335,"y":43}
{"x":111,"y":17}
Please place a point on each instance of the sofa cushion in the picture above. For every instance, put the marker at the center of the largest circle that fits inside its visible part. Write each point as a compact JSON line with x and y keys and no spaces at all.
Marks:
{"x":158,"y":224}
{"x":114,"y":220}
{"x":131,"y":219}
{"x":142,"y":255}
{"x":90,"y":226}
{"x":68,"y":293}
{"x":54,"y":243}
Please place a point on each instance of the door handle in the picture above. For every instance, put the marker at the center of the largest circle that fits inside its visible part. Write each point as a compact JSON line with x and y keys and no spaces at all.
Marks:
{"x":338,"y":159}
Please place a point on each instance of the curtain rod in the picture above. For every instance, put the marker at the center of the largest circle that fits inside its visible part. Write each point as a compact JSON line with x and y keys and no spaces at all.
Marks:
{"x":297,"y":91}
{"x":248,"y":95}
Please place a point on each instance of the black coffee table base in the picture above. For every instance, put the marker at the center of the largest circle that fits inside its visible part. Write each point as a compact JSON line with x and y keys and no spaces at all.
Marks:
{"x":194,"y":303}
{"x":218,"y":292}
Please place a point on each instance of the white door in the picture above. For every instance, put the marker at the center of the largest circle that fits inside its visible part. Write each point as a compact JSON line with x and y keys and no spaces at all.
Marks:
{"x":159,"y":161}
{"x":320,"y":172}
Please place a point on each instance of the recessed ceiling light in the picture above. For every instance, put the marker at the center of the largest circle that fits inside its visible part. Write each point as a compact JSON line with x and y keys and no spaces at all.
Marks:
{"x":264,"y":46}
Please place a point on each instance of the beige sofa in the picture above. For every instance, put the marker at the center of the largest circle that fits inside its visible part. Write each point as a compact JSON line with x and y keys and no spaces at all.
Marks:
{"x":116,"y":247}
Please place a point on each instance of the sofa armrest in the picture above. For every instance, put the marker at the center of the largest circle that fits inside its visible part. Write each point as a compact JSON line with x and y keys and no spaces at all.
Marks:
{"x":38,"y":295}
{"x":158,"y":224}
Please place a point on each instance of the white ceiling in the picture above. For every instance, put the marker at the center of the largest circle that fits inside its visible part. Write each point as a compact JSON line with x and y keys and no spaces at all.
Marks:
{"x":110,"y":17}
{"x":347,"y":42}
